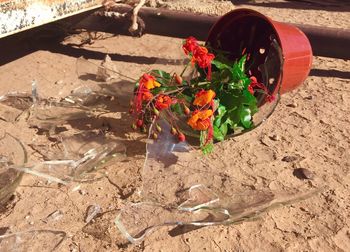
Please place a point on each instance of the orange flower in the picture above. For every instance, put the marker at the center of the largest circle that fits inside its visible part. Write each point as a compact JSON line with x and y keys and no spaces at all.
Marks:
{"x":163,"y":102}
{"x":148,"y":81}
{"x":200,"y":120}
{"x":204,"y":97}
{"x":147,"y":95}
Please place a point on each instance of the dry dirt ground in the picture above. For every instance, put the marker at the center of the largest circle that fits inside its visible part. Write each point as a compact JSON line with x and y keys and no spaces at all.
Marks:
{"x":310,"y":124}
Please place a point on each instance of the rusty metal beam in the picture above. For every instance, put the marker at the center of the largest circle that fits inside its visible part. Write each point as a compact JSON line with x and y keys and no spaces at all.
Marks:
{"x":328,"y":42}
{"x":20,"y":15}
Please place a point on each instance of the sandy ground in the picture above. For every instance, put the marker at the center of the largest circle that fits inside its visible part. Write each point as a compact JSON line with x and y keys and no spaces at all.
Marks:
{"x":311,"y":124}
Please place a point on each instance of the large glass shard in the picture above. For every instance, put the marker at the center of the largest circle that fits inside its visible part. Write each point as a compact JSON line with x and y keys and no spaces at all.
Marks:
{"x":12,"y":153}
{"x":47,"y":114}
{"x":202,"y":208}
{"x":32,"y":241}
{"x":181,"y":186}
{"x":77,"y":157}
{"x":105,"y":79}
{"x":105,"y":71}
{"x":13,"y":104}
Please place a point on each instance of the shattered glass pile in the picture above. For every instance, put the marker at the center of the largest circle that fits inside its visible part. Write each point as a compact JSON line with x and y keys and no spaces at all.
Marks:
{"x":181,"y":186}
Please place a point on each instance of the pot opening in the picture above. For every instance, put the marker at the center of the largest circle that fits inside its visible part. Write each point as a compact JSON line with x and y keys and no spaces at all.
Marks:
{"x":255,"y":36}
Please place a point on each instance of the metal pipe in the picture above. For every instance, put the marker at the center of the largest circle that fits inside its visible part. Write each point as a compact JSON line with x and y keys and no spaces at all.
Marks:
{"x":328,"y":42}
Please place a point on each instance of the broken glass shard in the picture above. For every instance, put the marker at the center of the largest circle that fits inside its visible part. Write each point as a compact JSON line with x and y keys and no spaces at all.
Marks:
{"x":181,"y":186}
{"x":55,"y":216}
{"x":34,"y":240}
{"x":77,"y":157}
{"x":91,"y":212}
{"x":13,"y":104}
{"x":202,"y":208}
{"x":12,"y":153}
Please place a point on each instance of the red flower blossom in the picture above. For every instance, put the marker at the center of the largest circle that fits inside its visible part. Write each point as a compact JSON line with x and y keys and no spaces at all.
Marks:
{"x":270,"y":98}
{"x":190,"y":45}
{"x":163,"y":102}
{"x":255,"y":84}
{"x":203,"y":59}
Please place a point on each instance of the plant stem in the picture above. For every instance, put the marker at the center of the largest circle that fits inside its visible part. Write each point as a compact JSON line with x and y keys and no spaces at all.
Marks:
{"x":183,"y":71}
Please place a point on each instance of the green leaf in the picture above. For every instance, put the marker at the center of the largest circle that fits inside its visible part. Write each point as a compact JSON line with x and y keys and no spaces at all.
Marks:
{"x":238,"y":70}
{"x":246,"y":117}
{"x":235,"y":85}
{"x":208,"y":148}
{"x":162,"y":89}
{"x":223,"y":128}
{"x":177,"y":108}
{"x":220,"y":65}
{"x":185,"y":97}
{"x":161,"y":74}
{"x":241,"y":63}
{"x":218,"y":134}
{"x":221,"y":112}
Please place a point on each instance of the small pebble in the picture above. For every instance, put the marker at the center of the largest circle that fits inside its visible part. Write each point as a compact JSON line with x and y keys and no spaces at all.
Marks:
{"x":59,"y":82}
{"x":292,"y":105}
{"x":82,"y":192}
{"x":303,"y":173}
{"x":308,"y":97}
{"x":289,"y":159}
{"x":275,"y":137}
{"x":31,"y":223}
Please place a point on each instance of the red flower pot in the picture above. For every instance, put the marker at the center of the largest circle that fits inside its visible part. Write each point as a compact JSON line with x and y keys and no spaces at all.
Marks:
{"x":245,"y":30}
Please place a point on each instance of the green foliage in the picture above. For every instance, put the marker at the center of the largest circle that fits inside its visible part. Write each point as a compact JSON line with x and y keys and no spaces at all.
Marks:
{"x":177,"y":108}
{"x":161,"y":76}
{"x":205,"y":146}
{"x":237,"y":104}
{"x":234,"y":106}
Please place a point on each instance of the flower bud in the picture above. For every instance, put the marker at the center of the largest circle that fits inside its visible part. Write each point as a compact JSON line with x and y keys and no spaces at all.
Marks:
{"x":173,"y":131}
{"x":181,"y":137}
{"x":144,"y":129}
{"x":154,"y":135}
{"x":156,"y":111}
{"x":134,"y":126}
{"x":139,"y":123}
{"x":187,"y":111}
{"x":159,"y":129}
{"x":178,"y":79}
{"x":131,"y":111}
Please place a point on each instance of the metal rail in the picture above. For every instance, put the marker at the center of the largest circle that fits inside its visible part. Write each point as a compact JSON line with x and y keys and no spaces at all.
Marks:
{"x":20,"y":15}
{"x":328,"y":42}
